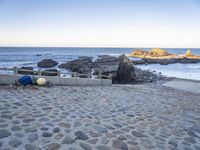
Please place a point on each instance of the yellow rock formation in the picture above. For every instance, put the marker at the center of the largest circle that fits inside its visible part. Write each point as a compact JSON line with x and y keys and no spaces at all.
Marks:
{"x":157,"y":52}
{"x":188,"y":53}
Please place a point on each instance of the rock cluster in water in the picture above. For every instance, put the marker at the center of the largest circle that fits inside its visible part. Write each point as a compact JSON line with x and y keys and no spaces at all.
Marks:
{"x":119,"y":69}
{"x":160,"y":56}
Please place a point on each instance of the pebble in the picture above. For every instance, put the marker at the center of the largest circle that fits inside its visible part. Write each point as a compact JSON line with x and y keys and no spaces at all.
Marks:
{"x":33,"y":137}
{"x":15,"y":143}
{"x":120,"y":145}
{"x":138,"y":134}
{"x":65,"y":125}
{"x":56,"y":130}
{"x":85,"y":146}
{"x":102,"y":147}
{"x":28,"y":120}
{"x":68,"y":140}
{"x":47,"y":134}
{"x":93,"y":141}
{"x":80,"y":135}
{"x":16,"y":128}
{"x":4,"y":134}
{"x":30,"y":129}
{"x":6,"y":116}
{"x":31,"y":147}
{"x":53,"y":146}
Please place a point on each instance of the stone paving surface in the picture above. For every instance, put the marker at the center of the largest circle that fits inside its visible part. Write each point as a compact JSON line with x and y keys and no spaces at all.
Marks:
{"x":102,"y":118}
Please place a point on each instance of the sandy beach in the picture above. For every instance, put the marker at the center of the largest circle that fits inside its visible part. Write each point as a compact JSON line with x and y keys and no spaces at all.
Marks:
{"x":127,"y":117}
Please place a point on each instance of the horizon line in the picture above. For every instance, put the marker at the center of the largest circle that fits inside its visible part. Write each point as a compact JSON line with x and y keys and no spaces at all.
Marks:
{"x":92,"y":47}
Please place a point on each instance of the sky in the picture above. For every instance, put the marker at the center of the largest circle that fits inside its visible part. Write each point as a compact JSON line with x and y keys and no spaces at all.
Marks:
{"x":100,"y":23}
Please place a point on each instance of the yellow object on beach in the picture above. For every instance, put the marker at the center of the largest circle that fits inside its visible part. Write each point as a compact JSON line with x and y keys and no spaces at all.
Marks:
{"x":41,"y":81}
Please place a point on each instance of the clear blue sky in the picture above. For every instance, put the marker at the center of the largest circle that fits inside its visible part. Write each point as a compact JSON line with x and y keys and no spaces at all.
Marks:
{"x":107,"y":23}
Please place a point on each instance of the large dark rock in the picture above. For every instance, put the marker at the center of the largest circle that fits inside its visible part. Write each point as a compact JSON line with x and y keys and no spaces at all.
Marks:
{"x":26,"y":71}
{"x":126,"y":71}
{"x":80,"y":65}
{"x":105,"y":65}
{"x":47,"y":63}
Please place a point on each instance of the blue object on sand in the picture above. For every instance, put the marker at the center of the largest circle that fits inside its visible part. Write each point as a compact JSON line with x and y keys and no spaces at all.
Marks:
{"x":25,"y":80}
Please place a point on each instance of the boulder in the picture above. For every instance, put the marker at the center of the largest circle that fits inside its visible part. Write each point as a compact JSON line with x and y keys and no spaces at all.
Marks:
{"x":126,"y":71}
{"x":105,"y":65}
{"x":80,"y":65}
{"x":47,"y":63}
{"x":138,"y":52}
{"x":157,"y":52}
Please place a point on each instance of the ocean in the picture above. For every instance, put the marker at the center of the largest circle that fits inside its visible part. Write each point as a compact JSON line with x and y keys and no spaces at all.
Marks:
{"x":29,"y":56}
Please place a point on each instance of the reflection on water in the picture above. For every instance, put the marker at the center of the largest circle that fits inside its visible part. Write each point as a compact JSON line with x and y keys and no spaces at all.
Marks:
{"x":185,"y":71}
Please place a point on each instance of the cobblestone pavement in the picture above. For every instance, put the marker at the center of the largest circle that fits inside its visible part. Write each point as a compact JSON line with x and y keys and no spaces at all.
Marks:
{"x":102,"y":118}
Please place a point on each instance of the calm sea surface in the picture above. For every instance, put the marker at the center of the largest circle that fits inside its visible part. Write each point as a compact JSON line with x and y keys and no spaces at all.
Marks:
{"x":29,"y":56}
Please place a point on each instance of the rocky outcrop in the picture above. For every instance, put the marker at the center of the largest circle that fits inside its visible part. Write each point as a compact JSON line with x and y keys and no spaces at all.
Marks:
{"x":165,"y":61}
{"x":80,"y":65}
{"x":125,"y":72}
{"x":105,"y":65}
{"x":47,"y":63}
{"x":157,"y":52}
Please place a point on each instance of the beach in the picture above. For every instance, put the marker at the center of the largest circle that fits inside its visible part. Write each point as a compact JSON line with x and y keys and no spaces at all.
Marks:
{"x":30,"y":56}
{"x":143,"y":116}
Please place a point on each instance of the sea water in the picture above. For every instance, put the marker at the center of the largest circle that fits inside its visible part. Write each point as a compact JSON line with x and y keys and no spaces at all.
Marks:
{"x":29,"y":56}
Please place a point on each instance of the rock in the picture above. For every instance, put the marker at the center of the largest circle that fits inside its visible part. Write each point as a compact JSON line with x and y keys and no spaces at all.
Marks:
{"x":173,"y":142}
{"x":68,"y":140}
{"x":120,"y":145}
{"x":5,"y":116}
{"x":85,"y":146}
{"x":157,"y":52}
{"x":105,"y":65}
{"x":80,"y":135}
{"x":102,"y":147}
{"x":50,"y":72}
{"x":16,"y":128}
{"x":30,"y":129}
{"x":138,"y":134}
{"x":33,"y":137}
{"x":1,"y":143}
{"x":93,"y":141}
{"x":80,"y":65}
{"x":31,"y":147}
{"x":4,"y":134}
{"x":28,"y":120}
{"x":147,"y":144}
{"x":15,"y":143}
{"x":56,"y":130}
{"x":47,"y":63}
{"x":65,"y":125}
{"x":44,"y":128}
{"x":104,"y":140}
{"x":47,"y":134}
{"x":53,"y":146}
{"x":188,"y":53}
{"x":29,"y":71}
{"x":125,"y":72}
